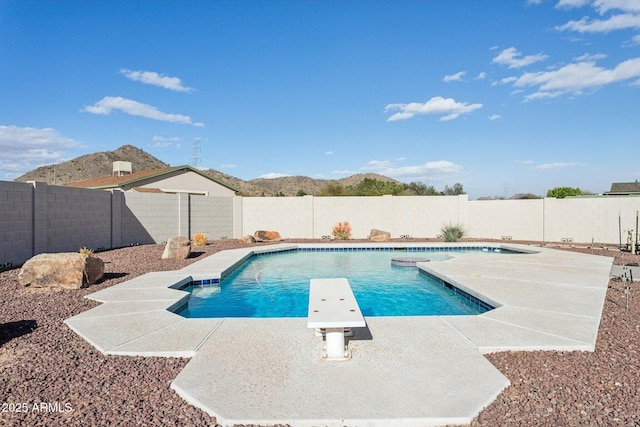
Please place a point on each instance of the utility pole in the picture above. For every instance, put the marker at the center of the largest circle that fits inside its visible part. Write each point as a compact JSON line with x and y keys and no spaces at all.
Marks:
{"x":195,"y":153}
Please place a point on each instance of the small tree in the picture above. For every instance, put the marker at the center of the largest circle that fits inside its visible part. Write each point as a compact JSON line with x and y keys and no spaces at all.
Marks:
{"x":453,"y":191}
{"x":420,"y":189}
{"x":332,"y":189}
{"x":376,"y":187}
{"x":562,"y":192}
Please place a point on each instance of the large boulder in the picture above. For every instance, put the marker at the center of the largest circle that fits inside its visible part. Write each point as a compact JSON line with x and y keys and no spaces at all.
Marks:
{"x":178,"y":247}
{"x":379,"y":236}
{"x":66,"y":270}
{"x":267,"y":236}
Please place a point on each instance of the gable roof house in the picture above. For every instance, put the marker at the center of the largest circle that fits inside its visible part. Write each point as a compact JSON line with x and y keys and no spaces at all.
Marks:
{"x":624,"y":189}
{"x":171,"y":180}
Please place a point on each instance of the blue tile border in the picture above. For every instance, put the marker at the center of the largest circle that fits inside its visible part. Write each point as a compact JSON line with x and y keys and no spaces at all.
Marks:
{"x":493,"y":249}
{"x":470,"y":298}
{"x":202,"y":282}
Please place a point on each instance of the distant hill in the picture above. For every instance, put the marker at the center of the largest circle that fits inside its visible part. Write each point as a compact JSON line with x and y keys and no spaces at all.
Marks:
{"x":101,"y":164}
{"x":93,"y":166}
{"x":291,"y":185}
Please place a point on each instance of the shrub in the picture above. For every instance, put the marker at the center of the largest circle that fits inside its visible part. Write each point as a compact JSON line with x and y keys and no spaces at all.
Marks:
{"x":342,"y":231}
{"x":200,"y":239}
{"x":85,"y":251}
{"x":562,"y":192}
{"x":452,"y":233}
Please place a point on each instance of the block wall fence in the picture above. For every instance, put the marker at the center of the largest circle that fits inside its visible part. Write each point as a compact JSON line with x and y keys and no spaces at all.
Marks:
{"x":37,"y":218}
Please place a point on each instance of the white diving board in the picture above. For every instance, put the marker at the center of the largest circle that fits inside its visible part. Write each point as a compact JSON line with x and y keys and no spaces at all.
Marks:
{"x":333,"y":307}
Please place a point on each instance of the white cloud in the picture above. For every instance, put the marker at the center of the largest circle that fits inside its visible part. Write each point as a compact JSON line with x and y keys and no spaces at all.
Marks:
{"x":576,"y":77}
{"x":344,"y":172}
{"x":135,"y":108}
{"x":481,"y":76}
{"x":155,"y":79}
{"x":635,"y":41}
{"x":557,"y":165}
{"x":512,"y":58}
{"x":590,"y":57}
{"x":378,"y":164}
{"x":494,"y":117}
{"x":273,"y":175}
{"x":436,"y":105}
{"x":571,"y":4}
{"x":423,"y":172}
{"x":542,"y":95}
{"x":603,"y":6}
{"x":328,"y":153}
{"x":228,"y":166}
{"x":613,"y":23}
{"x":26,"y":148}
{"x":457,"y":77}
{"x":505,"y":81}
{"x":163,"y":141}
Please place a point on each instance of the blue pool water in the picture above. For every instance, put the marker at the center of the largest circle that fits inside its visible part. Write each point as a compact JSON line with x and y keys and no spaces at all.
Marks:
{"x":277,"y":285}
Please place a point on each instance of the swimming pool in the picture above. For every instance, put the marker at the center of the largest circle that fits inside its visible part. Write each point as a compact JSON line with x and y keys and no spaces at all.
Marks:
{"x":277,"y":285}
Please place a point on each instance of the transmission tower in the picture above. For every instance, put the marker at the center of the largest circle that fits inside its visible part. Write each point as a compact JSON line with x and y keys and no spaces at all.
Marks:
{"x":195,"y":153}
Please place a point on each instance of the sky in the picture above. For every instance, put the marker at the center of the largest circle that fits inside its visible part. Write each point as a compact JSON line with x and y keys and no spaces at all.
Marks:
{"x":503,"y":97}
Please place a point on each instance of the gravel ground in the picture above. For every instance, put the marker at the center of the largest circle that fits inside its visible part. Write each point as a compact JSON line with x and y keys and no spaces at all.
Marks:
{"x":49,"y":376}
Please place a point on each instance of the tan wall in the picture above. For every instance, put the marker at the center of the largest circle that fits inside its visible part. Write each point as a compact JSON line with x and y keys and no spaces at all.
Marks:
{"x":315,"y":217}
{"x":584,"y":219}
{"x":291,"y":216}
{"x":181,"y":181}
{"x":580,"y":220}
{"x":506,"y":219}
{"x":212,"y":216}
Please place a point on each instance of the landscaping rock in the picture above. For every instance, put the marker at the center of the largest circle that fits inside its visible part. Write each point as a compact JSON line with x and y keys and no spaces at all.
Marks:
{"x":248,"y":239}
{"x":66,"y":270}
{"x":178,"y":247}
{"x":379,"y":235}
{"x":267,"y":236}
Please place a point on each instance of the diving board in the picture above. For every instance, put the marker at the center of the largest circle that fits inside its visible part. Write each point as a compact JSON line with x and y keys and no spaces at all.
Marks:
{"x":333,"y":307}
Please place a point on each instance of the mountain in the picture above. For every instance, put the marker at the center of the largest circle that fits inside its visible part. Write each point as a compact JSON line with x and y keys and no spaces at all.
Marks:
{"x":92,"y":166}
{"x":101,"y":164}
{"x":292,"y":185}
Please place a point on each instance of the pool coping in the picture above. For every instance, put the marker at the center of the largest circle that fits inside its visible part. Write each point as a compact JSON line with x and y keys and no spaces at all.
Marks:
{"x":545,"y":300}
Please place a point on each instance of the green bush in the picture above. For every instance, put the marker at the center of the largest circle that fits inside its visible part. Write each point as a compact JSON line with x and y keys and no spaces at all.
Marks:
{"x":562,"y":192}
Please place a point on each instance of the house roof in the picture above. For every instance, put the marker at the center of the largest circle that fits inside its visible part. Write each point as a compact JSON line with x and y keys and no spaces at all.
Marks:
{"x":107,"y":182}
{"x":625,"y":188}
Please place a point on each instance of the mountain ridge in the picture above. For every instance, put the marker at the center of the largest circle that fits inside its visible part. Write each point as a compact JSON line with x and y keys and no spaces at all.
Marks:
{"x":100,"y":164}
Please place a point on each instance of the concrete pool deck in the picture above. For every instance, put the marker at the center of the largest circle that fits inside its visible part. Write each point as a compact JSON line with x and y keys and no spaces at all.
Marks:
{"x":408,"y":371}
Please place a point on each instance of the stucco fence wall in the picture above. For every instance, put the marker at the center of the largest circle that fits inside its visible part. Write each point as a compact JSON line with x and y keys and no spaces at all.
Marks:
{"x":154,"y":218}
{"x":37,"y":218}
{"x":579,"y":220}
